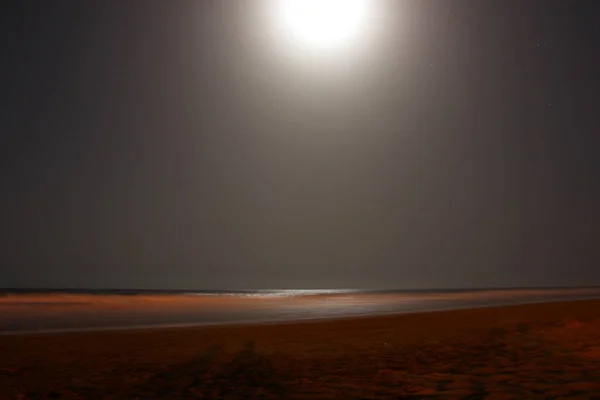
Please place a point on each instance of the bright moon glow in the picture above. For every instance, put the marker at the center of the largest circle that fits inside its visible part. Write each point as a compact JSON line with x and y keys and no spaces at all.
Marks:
{"x":323,"y":23}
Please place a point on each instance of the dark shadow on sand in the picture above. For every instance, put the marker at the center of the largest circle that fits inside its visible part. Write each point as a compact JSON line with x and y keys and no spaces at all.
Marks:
{"x":248,"y":374}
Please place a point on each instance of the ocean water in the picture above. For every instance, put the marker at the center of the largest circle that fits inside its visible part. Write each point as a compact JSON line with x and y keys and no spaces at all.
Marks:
{"x":57,"y":310}
{"x":278,"y":292}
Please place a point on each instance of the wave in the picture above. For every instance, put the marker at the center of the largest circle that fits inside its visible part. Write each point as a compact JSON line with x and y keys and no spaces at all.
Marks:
{"x":266,"y":292}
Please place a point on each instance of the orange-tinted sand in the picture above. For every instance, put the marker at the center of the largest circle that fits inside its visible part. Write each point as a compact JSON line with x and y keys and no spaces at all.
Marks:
{"x":64,"y":311}
{"x":535,"y":351}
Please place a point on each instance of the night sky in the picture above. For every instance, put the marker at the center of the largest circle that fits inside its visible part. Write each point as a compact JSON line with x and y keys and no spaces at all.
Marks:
{"x":180,"y":144}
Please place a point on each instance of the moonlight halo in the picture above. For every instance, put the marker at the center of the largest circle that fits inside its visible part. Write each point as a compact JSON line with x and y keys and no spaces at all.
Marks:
{"x":323,"y":23}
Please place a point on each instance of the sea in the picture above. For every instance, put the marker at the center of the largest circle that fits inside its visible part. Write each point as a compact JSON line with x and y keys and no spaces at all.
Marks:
{"x":42,"y":311}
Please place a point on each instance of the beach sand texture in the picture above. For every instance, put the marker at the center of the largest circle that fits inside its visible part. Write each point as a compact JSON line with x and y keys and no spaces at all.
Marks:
{"x":534,"y":351}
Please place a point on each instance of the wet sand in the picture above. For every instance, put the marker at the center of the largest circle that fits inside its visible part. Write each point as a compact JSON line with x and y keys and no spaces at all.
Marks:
{"x":534,"y":351}
{"x":63,"y":312}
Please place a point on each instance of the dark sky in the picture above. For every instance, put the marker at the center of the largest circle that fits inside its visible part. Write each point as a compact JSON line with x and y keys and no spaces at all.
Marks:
{"x":178,"y":144}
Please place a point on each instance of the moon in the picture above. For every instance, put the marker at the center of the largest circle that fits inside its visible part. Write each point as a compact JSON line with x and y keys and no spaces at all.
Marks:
{"x":323,"y":24}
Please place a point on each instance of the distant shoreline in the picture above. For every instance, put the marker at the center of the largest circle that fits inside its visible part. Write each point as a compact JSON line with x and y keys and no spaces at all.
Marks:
{"x":124,"y":291}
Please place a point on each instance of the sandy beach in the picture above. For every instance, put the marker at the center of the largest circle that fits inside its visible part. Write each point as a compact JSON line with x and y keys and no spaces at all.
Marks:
{"x":44,"y":312}
{"x":534,"y":351}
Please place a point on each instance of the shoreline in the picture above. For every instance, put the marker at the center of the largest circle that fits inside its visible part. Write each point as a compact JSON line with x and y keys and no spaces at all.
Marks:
{"x":253,"y":322}
{"x":67,"y":313}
